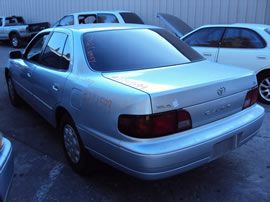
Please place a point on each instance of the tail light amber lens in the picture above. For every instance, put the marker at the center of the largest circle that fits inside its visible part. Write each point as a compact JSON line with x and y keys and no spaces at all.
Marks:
{"x":154,"y":125}
{"x":251,"y":98}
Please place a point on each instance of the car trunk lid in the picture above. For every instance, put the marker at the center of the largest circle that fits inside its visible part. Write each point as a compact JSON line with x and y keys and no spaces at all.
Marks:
{"x":179,"y":27}
{"x":208,"y":91}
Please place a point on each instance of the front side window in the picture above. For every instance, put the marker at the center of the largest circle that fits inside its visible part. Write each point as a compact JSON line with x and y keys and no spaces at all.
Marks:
{"x":34,"y":49}
{"x":123,"y":50}
{"x":206,"y":37}
{"x":106,"y":18}
{"x":242,"y":38}
{"x":14,"y":21}
{"x":52,"y":56}
{"x":68,"y":20}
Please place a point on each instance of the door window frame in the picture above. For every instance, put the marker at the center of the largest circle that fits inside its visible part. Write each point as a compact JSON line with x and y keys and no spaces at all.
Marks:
{"x":242,"y":28}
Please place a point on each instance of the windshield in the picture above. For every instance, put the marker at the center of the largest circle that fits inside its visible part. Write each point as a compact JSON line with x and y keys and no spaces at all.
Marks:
{"x":123,"y":50}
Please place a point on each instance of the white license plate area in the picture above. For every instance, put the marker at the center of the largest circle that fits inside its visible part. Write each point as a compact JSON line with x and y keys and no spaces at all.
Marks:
{"x":224,"y":146}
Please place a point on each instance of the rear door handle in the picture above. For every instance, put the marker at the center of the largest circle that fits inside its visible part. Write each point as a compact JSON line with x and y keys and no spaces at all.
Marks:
{"x":207,"y":54}
{"x":261,"y":57}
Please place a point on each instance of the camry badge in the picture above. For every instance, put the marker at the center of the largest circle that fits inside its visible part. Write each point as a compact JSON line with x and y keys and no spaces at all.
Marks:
{"x":221,"y":91}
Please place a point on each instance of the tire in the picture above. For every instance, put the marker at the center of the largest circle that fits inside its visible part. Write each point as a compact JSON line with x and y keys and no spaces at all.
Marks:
{"x":15,"y":41}
{"x":15,"y":99}
{"x":264,"y":88}
{"x":73,"y":147}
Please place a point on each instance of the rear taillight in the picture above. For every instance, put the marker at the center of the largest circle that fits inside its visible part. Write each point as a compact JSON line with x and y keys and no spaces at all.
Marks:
{"x":251,"y":98}
{"x":1,"y":141}
{"x":155,"y":125}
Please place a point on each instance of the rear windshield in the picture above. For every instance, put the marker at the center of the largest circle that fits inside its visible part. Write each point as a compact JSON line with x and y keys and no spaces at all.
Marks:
{"x":133,"y":49}
{"x":131,"y":18}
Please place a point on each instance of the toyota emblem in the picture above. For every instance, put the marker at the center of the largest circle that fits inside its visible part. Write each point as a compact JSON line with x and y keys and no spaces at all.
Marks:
{"x":221,"y":91}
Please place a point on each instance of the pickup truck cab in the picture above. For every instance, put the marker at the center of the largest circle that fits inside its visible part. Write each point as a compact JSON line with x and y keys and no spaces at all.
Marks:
{"x":16,"y":30}
{"x":99,"y":17}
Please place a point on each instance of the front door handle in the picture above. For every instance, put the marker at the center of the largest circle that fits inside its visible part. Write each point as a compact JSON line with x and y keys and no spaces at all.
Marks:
{"x":29,"y":74}
{"x":207,"y":54}
{"x":55,"y":87}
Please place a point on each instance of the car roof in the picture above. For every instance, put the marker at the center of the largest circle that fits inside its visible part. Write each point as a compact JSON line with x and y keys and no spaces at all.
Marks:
{"x":102,"y":27}
{"x":100,"y":11}
{"x":240,"y":25}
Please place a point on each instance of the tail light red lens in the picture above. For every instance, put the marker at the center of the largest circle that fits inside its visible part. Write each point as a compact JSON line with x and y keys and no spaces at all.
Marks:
{"x":251,"y":98}
{"x":155,"y":125}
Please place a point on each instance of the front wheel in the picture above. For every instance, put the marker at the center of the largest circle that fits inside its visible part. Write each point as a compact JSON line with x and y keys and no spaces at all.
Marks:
{"x":73,"y":147}
{"x":264,"y":89}
{"x":15,"y":41}
{"x":15,"y":99}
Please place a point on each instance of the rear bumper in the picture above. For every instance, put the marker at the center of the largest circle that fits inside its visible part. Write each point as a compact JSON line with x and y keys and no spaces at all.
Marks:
{"x":163,"y":157}
{"x":6,"y":169}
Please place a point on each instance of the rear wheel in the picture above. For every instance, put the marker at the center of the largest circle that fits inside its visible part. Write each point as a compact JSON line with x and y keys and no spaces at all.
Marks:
{"x":73,"y":147}
{"x":264,"y":88}
{"x":15,"y":41}
{"x":15,"y":99}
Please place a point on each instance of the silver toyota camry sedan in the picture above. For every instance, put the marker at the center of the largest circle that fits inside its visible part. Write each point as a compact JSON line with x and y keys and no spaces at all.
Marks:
{"x":134,"y":96}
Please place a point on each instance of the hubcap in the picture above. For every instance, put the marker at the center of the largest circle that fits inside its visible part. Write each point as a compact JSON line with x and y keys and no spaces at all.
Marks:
{"x":71,"y":144}
{"x":264,"y":89}
{"x":15,"y":41}
{"x":11,"y":89}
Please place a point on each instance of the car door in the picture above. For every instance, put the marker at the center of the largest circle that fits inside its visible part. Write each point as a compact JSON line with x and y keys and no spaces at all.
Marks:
{"x":206,"y":41}
{"x":24,"y":68}
{"x":51,"y":74}
{"x":243,"y":47}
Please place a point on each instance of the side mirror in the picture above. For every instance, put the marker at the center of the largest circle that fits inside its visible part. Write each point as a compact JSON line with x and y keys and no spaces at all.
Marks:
{"x":15,"y":55}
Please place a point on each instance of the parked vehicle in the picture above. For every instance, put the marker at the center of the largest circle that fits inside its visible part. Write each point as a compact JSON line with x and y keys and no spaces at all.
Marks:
{"x":244,"y":45}
{"x":16,"y":31}
{"x":131,"y":95}
{"x":6,"y":167}
{"x":90,"y":17}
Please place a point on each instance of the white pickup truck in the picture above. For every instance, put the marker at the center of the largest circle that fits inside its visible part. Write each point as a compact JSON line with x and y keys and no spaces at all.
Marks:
{"x":15,"y":30}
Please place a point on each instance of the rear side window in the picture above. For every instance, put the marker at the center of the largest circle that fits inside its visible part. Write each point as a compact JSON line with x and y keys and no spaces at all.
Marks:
{"x":206,"y":37}
{"x":87,"y":19}
{"x":106,"y":18}
{"x":122,"y":50}
{"x":53,"y":54}
{"x":131,"y":18}
{"x":242,"y":38}
{"x":268,"y":30}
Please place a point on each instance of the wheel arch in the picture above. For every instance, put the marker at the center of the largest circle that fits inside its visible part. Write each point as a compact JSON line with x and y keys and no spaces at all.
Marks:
{"x":59,"y":112}
{"x":13,"y":32}
{"x":262,"y":73}
{"x":6,"y":73}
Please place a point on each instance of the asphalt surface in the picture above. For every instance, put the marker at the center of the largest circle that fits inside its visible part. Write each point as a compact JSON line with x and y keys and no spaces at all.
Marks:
{"x":43,"y":174}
